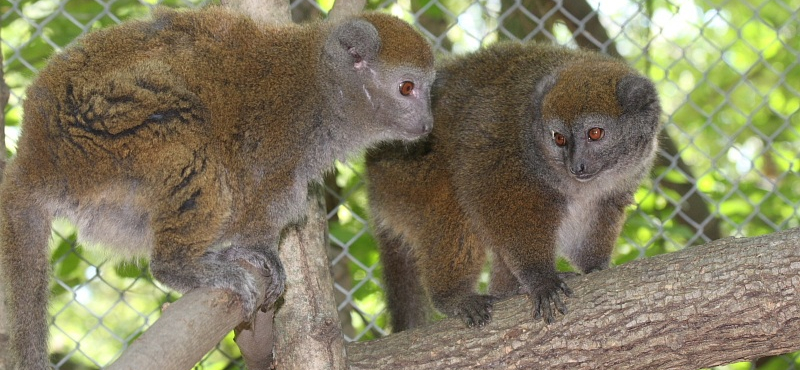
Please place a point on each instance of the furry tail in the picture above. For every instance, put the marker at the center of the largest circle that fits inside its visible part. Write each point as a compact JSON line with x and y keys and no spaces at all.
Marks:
{"x":25,"y":273}
{"x":409,"y":306}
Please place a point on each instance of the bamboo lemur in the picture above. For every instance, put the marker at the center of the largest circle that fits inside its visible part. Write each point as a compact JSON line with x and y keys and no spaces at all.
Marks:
{"x":177,"y":136}
{"x":535,"y":149}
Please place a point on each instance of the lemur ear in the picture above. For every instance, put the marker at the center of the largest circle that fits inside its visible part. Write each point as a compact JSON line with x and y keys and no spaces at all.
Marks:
{"x":637,"y":94}
{"x":543,"y":87}
{"x":354,"y":42}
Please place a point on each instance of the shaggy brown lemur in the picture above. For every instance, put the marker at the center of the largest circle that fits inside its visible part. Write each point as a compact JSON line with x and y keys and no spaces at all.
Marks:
{"x":536,"y":149}
{"x":191,"y":138}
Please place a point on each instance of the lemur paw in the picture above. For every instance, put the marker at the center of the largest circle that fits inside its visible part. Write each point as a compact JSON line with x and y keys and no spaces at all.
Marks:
{"x":269,"y":265}
{"x":545,"y":294}
{"x":475,"y":310}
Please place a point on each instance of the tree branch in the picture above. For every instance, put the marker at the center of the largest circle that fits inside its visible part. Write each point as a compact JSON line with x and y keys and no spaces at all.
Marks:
{"x":726,"y":301}
{"x":307,"y":330}
{"x":186,"y":331}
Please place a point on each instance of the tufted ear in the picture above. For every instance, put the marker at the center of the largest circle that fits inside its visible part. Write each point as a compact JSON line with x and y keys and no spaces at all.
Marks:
{"x":354,"y":43}
{"x":637,"y":94}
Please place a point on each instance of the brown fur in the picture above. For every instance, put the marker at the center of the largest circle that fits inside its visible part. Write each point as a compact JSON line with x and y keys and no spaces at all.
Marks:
{"x":176,"y":136}
{"x":489,"y":178}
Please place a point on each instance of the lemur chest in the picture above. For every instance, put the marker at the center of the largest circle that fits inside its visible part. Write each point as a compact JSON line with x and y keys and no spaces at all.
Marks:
{"x":577,"y":223}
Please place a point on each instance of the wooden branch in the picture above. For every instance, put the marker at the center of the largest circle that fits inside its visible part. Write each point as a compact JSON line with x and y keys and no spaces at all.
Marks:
{"x":307,"y":330}
{"x":723,"y":302}
{"x":186,"y":331}
{"x":257,"y":341}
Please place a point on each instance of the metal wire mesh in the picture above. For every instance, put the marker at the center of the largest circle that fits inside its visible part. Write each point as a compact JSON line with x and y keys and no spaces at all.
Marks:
{"x":726,"y":72}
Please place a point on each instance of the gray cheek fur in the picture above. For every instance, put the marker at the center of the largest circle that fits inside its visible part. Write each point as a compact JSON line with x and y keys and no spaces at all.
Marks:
{"x":406,"y":116}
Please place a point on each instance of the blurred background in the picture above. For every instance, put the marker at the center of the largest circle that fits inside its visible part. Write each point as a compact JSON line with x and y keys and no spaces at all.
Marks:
{"x":727,"y":72}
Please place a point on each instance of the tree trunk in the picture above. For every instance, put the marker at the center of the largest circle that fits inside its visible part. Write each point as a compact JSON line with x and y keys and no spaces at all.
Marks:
{"x":727,"y":301}
{"x":307,"y":331}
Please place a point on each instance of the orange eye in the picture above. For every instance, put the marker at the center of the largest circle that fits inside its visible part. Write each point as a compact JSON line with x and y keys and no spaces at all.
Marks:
{"x":406,"y":87}
{"x":596,"y":133}
{"x":560,"y":140}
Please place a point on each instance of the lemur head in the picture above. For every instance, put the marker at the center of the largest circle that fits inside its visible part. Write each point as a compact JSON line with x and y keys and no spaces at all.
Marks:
{"x":597,"y":117}
{"x":385,"y":70}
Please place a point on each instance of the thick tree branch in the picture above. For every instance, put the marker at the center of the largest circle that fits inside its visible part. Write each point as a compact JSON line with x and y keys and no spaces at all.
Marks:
{"x":307,"y":331}
{"x":726,"y":301}
{"x":186,"y":331}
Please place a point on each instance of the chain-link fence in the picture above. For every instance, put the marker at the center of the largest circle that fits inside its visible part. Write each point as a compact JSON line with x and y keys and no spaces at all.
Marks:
{"x":727,"y":73}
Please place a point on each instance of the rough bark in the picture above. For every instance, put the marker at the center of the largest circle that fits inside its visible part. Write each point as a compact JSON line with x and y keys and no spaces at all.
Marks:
{"x":256,"y":341}
{"x":307,"y":331}
{"x":727,"y":301}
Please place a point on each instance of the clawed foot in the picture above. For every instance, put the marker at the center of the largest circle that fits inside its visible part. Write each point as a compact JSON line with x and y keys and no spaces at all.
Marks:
{"x":545,"y":293}
{"x":269,"y":265}
{"x":475,"y":310}
{"x":273,"y":271}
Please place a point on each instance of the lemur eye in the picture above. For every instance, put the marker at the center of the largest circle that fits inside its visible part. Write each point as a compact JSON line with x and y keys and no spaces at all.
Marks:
{"x":596,"y":133}
{"x":406,"y":87}
{"x":560,"y":140}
